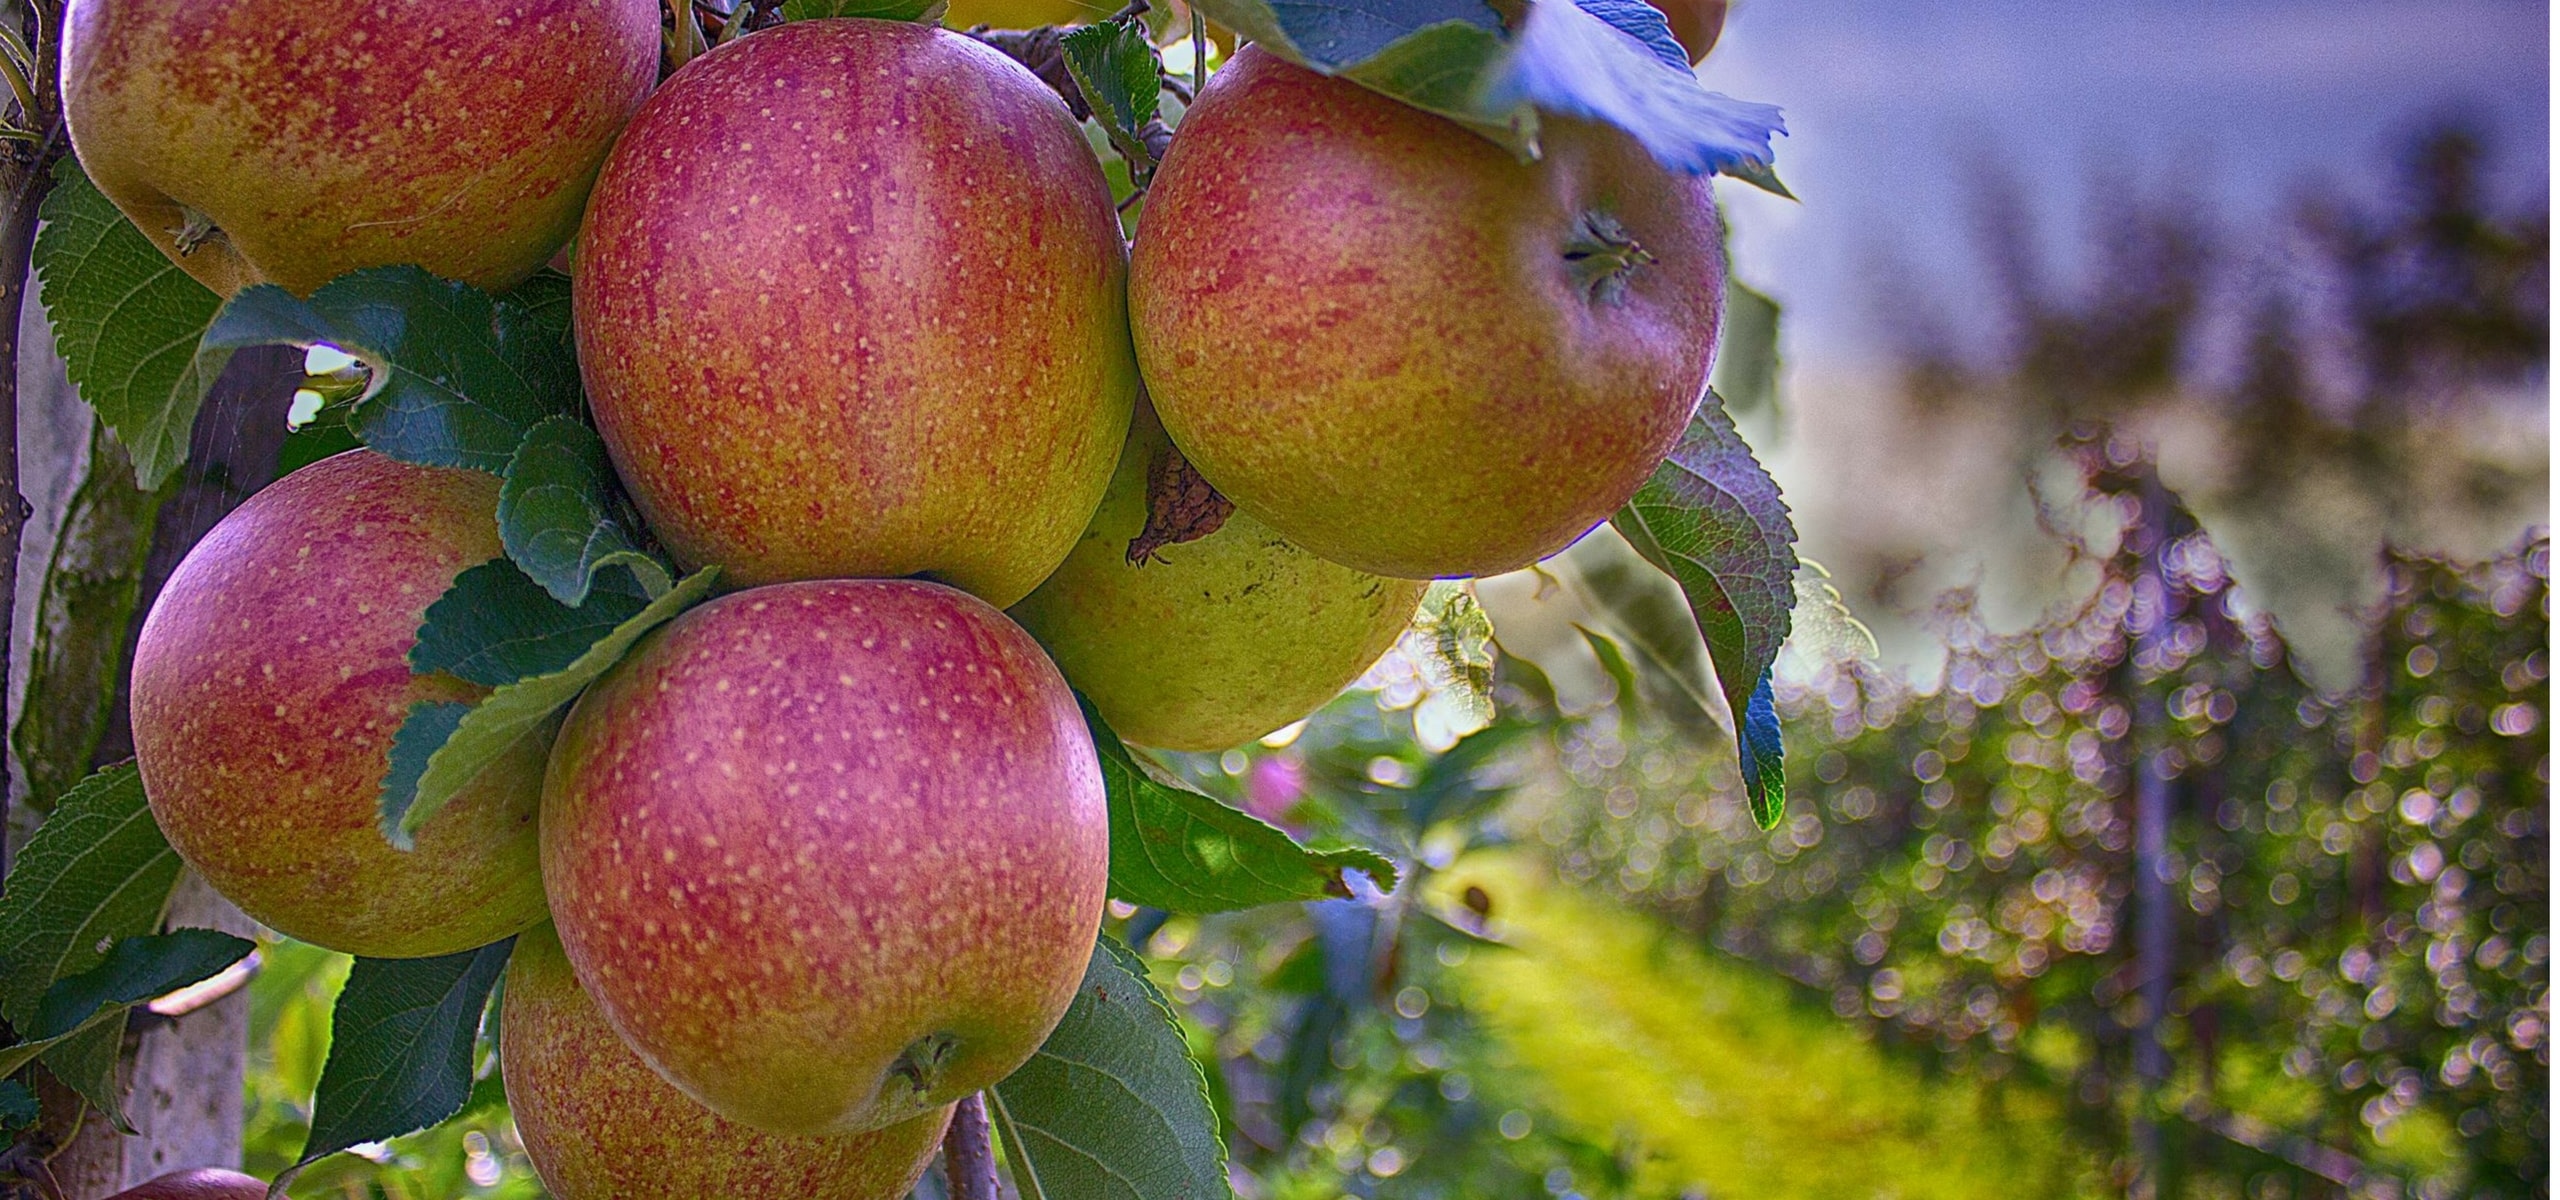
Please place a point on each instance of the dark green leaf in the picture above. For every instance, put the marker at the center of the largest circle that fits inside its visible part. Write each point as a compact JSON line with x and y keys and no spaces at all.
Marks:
{"x":429,"y":725}
{"x":92,"y":582}
{"x":127,"y":322}
{"x":400,"y":1047}
{"x":1712,"y":519}
{"x":136,"y":969}
{"x":926,"y":11}
{"x":459,"y":377}
{"x":97,"y":871}
{"x":1112,"y":1106}
{"x":17,"y":1107}
{"x":563,"y":518}
{"x":1116,"y":69}
{"x":1454,"y":58}
{"x":494,"y":626}
{"x":1175,"y":849}
{"x":531,"y":705}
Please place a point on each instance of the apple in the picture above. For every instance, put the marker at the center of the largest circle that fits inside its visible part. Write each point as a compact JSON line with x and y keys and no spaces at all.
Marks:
{"x":205,"y":1184}
{"x":270,"y":677}
{"x":600,"y":1125}
{"x":850,"y":303}
{"x":1203,"y":644}
{"x":1023,"y":14}
{"x":829,"y":855}
{"x":291,"y":141}
{"x":1403,"y":349}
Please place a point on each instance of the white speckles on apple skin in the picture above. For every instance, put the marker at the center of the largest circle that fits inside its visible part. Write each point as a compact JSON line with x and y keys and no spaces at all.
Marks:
{"x":905,"y":351}
{"x":772,"y":942}
{"x":270,"y":786}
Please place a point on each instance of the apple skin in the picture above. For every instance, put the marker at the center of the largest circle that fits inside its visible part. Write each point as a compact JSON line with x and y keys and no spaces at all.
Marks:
{"x":805,"y":828}
{"x":600,"y":1125}
{"x":1023,"y":14}
{"x":205,"y":1184}
{"x":892,"y":340}
{"x":1359,"y":322}
{"x":322,"y":136}
{"x":1215,"y":640}
{"x":267,"y":685}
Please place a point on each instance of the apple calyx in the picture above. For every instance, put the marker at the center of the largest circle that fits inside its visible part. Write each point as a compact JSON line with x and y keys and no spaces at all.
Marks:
{"x":1181,"y":507}
{"x":917,"y":1074}
{"x":1601,"y":255}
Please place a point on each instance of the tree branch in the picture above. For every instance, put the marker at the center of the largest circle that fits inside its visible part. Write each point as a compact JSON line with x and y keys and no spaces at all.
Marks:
{"x":969,"y":1151}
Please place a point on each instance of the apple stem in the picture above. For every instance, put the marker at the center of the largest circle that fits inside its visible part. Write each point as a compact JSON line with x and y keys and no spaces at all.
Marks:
{"x":969,"y":1151}
{"x":1602,"y":256}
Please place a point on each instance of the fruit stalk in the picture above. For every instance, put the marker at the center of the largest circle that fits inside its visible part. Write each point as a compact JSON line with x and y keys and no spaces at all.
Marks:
{"x":969,"y":1151}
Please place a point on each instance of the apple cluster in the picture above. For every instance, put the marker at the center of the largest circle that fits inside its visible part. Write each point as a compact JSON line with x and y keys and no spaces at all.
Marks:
{"x":858,"y":325}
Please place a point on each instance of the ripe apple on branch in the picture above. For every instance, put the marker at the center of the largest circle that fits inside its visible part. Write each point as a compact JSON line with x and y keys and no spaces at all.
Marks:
{"x":696,"y":640}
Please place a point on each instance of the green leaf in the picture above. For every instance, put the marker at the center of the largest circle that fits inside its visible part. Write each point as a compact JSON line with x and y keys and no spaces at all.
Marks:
{"x":1747,"y":353}
{"x":1112,"y":1106}
{"x":459,"y":377}
{"x":563,"y":517}
{"x":400,"y":1047}
{"x":96,"y":871}
{"x":127,"y":322}
{"x":1450,"y":788}
{"x":1712,"y":519}
{"x":494,"y":626}
{"x":1178,"y":850}
{"x":17,"y":1107}
{"x":1116,"y":68}
{"x":136,"y":969}
{"x":1621,"y":672}
{"x":92,"y":583}
{"x":1599,"y":60}
{"x":927,"y":11}
{"x":429,"y":725}
{"x":530,"y":705}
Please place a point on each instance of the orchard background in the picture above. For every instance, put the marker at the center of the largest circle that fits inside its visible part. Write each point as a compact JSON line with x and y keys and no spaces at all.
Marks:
{"x":2166,"y":777}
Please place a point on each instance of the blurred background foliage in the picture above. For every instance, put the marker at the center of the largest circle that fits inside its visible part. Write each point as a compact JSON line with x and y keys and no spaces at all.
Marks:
{"x":2221,"y":872}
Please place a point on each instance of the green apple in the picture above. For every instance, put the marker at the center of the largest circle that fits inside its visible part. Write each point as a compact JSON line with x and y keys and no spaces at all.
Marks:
{"x":850,"y":303}
{"x":291,"y":141}
{"x":206,"y":1184}
{"x":1402,"y":348}
{"x":1206,"y":643}
{"x":270,"y":677}
{"x":829,"y":855}
{"x":600,"y":1125}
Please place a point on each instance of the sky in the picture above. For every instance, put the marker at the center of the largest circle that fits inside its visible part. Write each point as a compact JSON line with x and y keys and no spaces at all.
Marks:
{"x":1891,"y":104}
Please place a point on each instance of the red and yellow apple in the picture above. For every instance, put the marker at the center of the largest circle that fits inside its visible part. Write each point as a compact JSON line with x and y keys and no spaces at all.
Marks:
{"x":1204,"y":644}
{"x":291,"y":141}
{"x":600,"y":1125}
{"x":829,"y":855}
{"x":850,"y":304}
{"x":269,"y":680}
{"x":1400,"y":347}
